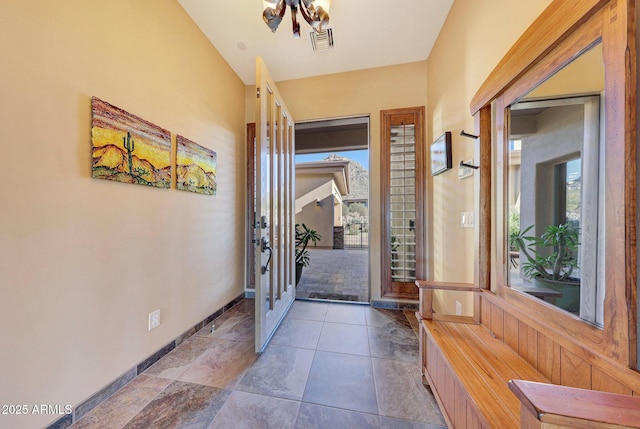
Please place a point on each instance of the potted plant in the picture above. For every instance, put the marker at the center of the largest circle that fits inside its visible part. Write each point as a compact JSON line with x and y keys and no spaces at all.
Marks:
{"x":303,"y":236}
{"x":550,"y":261}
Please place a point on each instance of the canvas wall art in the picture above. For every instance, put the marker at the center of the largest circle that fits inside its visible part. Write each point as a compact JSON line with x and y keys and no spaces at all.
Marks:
{"x":128,"y":149}
{"x":441,"y":160}
{"x":196,"y":167}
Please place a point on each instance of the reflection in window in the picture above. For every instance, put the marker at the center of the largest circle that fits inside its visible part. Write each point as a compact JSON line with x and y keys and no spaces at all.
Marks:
{"x":555,"y":195}
{"x":568,"y":180}
{"x":554,"y":204}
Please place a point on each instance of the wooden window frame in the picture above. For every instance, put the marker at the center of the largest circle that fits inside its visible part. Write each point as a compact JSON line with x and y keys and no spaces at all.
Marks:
{"x":564,"y":30}
{"x":417,"y":115}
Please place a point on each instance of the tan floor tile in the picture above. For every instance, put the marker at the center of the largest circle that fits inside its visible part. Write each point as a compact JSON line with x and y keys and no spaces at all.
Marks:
{"x":116,"y":411}
{"x":178,"y":360}
{"x":222,"y":365}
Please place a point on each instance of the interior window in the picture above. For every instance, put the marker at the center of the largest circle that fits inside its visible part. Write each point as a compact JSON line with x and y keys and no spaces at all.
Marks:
{"x":402,"y":191}
{"x":555,"y":190}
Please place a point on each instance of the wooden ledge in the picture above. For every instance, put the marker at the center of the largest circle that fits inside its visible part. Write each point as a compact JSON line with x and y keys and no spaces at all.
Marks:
{"x":576,"y":408}
{"x":437,"y":317}
{"x":426,"y":297}
{"x":465,"y":287}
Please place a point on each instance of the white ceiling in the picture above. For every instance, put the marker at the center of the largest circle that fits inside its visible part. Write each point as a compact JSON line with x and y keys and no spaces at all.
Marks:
{"x":367,"y":34}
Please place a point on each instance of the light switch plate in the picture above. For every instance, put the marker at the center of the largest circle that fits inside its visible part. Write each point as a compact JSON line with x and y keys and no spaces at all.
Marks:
{"x":464,"y":172}
{"x":466,"y":219}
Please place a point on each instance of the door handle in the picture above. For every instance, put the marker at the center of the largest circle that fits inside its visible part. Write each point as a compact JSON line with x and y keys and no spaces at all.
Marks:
{"x":266,"y":247}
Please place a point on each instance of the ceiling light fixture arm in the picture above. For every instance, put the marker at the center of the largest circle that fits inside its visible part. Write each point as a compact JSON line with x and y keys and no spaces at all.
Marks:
{"x":294,"y":18}
{"x":317,"y":16}
{"x":273,"y":16}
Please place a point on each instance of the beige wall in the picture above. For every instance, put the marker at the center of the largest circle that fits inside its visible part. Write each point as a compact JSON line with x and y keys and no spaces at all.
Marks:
{"x":475,"y":37}
{"x":584,"y":75}
{"x":364,"y":92}
{"x":309,"y":189}
{"x":84,"y":261}
{"x":308,"y":186}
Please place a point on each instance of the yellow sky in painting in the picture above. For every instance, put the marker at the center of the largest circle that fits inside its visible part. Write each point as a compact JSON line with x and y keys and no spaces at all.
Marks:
{"x":186,"y":160}
{"x":143,"y":148}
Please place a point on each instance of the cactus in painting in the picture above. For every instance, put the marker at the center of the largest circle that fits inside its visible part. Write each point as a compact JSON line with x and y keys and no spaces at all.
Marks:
{"x":129,"y":145}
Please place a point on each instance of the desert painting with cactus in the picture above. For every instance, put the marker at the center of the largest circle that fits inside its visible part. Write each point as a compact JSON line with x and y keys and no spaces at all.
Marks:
{"x":195,"y":167}
{"x":127,"y":148}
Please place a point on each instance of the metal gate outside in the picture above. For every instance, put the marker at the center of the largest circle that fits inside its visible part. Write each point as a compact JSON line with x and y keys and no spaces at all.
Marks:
{"x":356,"y":236}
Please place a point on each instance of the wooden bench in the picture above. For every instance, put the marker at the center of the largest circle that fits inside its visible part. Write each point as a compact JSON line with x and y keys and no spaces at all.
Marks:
{"x":467,"y":369}
{"x":470,"y":373}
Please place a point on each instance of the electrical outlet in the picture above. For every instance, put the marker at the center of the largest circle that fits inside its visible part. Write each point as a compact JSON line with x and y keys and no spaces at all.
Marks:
{"x":458,"y":308}
{"x":154,"y":319}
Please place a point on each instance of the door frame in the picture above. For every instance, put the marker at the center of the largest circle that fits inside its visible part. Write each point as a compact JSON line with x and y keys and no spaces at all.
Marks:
{"x":386,"y":116}
{"x":250,"y":282}
{"x":331,"y":121}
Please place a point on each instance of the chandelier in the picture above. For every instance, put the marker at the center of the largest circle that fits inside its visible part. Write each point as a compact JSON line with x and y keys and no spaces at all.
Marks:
{"x":315,"y":12}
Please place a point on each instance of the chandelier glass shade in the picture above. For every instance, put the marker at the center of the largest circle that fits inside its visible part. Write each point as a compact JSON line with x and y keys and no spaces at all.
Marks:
{"x":315,"y":12}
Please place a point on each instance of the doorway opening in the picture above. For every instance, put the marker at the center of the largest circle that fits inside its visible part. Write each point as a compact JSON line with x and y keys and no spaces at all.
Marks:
{"x":332,"y":199}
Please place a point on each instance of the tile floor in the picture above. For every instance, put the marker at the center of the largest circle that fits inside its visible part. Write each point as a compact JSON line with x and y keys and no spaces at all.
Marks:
{"x":329,"y":365}
{"x":336,"y":274}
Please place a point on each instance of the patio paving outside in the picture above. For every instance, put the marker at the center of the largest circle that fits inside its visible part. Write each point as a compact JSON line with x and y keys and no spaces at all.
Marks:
{"x":336,"y":274}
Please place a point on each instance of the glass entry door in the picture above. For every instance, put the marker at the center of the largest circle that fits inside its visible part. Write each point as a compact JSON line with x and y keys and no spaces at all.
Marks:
{"x":274,"y":224}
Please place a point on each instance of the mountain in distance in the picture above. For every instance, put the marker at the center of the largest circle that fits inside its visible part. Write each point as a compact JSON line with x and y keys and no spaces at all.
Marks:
{"x":358,"y":178}
{"x":193,"y":178}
